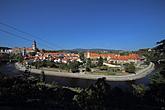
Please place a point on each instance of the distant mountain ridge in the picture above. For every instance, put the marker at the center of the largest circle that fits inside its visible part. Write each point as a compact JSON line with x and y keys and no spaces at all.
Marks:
{"x":98,"y":50}
{"x":78,"y":50}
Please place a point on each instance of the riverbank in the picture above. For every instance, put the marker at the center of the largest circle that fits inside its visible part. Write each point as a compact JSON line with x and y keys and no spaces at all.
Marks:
{"x":139,"y":74}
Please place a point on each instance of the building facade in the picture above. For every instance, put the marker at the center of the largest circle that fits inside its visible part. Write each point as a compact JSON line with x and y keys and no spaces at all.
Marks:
{"x":114,"y":58}
{"x":5,"y":50}
{"x":24,"y":51}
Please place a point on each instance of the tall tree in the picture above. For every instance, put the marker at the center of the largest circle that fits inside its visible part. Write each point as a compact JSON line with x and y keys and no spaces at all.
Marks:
{"x":82,"y":58}
{"x":88,"y":63}
{"x":100,"y":62}
{"x":161,"y":46}
{"x":130,"y":68}
{"x":74,"y":66}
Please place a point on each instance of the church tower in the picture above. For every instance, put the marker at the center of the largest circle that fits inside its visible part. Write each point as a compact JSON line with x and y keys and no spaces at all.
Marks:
{"x":88,"y":54}
{"x":34,"y":45}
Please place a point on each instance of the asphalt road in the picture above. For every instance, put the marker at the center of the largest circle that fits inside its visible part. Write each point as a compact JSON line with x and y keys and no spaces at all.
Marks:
{"x":140,"y":74}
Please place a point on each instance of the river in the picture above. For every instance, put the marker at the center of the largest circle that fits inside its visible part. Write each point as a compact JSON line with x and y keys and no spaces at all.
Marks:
{"x":82,"y":83}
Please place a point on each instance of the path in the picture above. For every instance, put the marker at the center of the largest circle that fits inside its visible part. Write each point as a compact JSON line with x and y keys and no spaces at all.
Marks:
{"x":140,"y":74}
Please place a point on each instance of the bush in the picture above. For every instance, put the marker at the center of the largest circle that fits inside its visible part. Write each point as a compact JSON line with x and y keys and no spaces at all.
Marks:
{"x":74,"y":66}
{"x":130,"y":68}
{"x":103,"y":68}
{"x":88,"y":69}
{"x":93,"y":98}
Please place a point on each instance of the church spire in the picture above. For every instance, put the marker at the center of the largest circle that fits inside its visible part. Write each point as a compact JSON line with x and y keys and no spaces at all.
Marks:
{"x":34,"y":45}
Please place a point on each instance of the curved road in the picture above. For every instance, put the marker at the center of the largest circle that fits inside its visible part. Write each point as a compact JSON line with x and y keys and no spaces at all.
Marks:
{"x":139,"y":74}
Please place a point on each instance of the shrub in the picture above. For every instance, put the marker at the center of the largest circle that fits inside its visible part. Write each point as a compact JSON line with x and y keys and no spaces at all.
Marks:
{"x":130,"y":68}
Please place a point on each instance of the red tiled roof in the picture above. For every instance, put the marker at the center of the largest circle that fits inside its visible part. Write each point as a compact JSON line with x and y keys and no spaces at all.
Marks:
{"x":28,"y":49}
{"x":115,"y":56}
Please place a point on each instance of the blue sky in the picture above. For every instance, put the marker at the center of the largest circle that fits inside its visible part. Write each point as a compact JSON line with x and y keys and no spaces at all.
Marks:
{"x":67,"y":24}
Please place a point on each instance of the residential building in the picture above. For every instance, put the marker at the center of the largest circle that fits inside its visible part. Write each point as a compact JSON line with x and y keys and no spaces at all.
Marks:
{"x":24,"y":51}
{"x":114,"y":58}
{"x":5,"y":50}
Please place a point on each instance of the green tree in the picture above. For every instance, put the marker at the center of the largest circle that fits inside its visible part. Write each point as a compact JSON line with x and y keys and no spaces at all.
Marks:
{"x":105,"y":59}
{"x":103,"y":67}
{"x":88,"y":63}
{"x":42,"y":76}
{"x":19,"y":58}
{"x":50,"y":64}
{"x":158,"y":78}
{"x":32,"y":53}
{"x":93,"y":98}
{"x":157,"y":53}
{"x":37,"y":65}
{"x":100,"y":62}
{"x":130,"y":68}
{"x":82,"y":58}
{"x":74,"y":66}
{"x":63,"y":66}
{"x":138,"y":90}
{"x":157,"y":87}
{"x":161,"y":46}
{"x":88,"y":69}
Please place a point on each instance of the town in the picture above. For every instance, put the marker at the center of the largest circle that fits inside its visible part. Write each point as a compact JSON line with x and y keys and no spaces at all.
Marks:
{"x":25,"y":83}
{"x":82,"y":54}
{"x":102,"y":63}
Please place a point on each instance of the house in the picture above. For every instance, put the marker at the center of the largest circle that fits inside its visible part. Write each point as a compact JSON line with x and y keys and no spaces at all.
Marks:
{"x":59,"y":57}
{"x":5,"y":50}
{"x":114,"y":58}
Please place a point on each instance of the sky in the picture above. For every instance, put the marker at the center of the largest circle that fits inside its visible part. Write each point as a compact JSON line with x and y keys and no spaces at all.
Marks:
{"x":68,"y":24}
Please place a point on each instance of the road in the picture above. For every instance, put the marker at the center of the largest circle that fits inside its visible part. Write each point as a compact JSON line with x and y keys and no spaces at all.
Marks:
{"x":140,"y":74}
